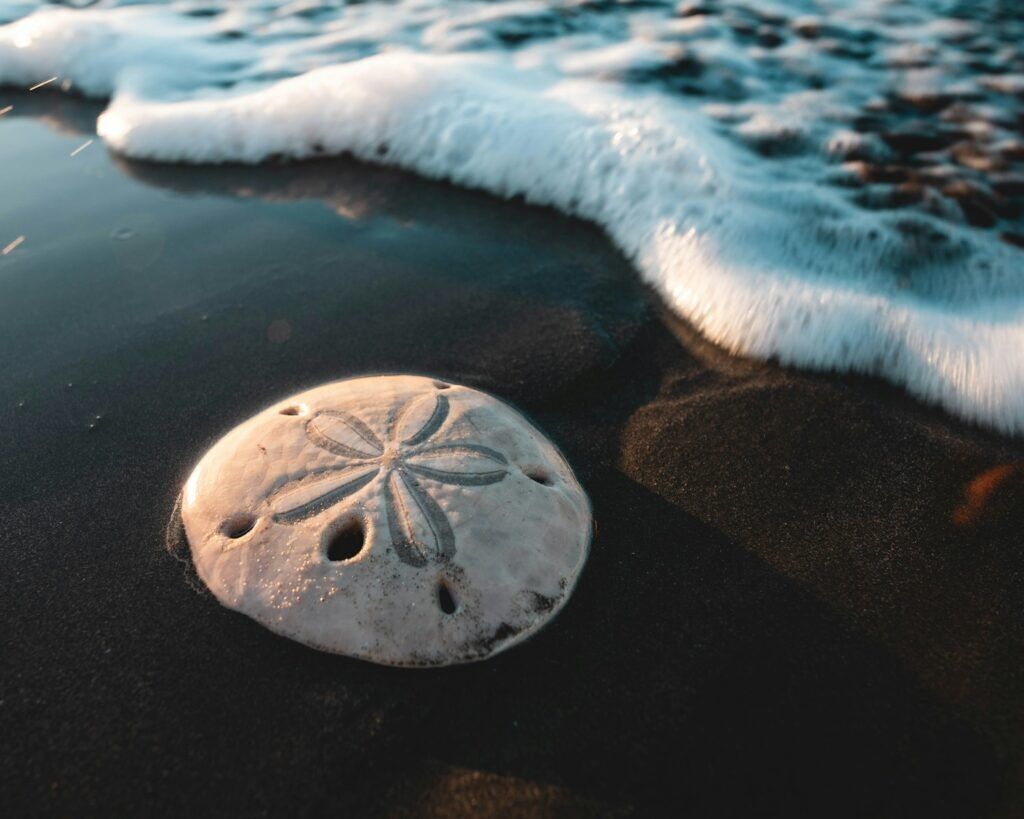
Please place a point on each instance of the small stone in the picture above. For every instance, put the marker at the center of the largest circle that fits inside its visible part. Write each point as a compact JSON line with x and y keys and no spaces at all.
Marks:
{"x":977,"y":205}
{"x":919,"y":138}
{"x":692,"y":8}
{"x":970,"y":156}
{"x":925,"y":102}
{"x":767,"y":37}
{"x":807,"y":27}
{"x":743,"y":28}
{"x":1012,"y":149}
{"x":1009,"y":184}
{"x":397,"y":519}
{"x":886,"y":174}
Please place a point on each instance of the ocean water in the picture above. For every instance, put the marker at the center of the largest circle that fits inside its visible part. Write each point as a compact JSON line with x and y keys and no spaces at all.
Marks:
{"x":835,"y":184}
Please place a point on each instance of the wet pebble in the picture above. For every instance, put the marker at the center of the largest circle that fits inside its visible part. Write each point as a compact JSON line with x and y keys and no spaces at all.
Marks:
{"x":919,"y":138}
{"x":1008,"y":184}
{"x":768,"y":37}
{"x":1012,"y":150}
{"x":693,"y":8}
{"x":971,"y":156}
{"x":978,"y":207}
{"x":925,"y":102}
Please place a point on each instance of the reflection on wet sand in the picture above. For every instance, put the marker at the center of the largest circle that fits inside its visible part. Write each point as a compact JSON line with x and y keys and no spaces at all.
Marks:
{"x":379,"y":260}
{"x":73,"y":116}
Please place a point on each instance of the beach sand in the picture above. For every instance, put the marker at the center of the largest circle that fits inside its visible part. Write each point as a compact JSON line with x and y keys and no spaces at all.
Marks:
{"x":804,"y":593}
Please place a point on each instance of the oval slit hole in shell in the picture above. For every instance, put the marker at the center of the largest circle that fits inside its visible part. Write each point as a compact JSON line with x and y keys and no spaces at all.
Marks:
{"x":294,"y":409}
{"x":347,"y":542}
{"x":441,"y":385}
{"x":238,"y":526}
{"x":539,"y":476}
{"x":445,"y":599}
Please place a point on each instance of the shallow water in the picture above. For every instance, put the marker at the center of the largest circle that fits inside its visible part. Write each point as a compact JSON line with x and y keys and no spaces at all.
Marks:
{"x":133,"y":271}
{"x":834,"y":184}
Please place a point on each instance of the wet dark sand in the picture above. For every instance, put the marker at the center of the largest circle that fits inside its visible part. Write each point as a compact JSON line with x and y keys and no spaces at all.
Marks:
{"x":804,"y":596}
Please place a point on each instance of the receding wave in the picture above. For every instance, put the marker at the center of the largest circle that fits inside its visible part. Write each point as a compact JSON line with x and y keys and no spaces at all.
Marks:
{"x":833,"y":184}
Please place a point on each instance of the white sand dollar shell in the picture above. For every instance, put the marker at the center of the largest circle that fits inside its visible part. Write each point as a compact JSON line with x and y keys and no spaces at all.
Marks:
{"x":396,"y":519}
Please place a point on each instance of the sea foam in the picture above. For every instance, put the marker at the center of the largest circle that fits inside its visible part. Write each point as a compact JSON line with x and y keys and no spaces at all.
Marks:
{"x":708,"y":159}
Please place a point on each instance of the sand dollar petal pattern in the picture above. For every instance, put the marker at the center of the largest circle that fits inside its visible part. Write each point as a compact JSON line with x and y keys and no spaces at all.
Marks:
{"x":462,"y":464}
{"x":421,"y":419}
{"x":456,"y":543}
{"x":419,"y":527}
{"x":344,"y":434}
{"x":314,"y":496}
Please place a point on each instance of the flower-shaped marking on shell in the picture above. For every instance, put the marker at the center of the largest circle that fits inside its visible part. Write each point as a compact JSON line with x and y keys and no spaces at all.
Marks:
{"x":411,"y":454}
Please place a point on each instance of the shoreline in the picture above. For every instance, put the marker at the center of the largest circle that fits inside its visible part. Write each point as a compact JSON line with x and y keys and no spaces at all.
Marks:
{"x":910,"y":334}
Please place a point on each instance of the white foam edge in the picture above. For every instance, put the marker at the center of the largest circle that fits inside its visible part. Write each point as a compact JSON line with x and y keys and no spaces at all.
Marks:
{"x":667,"y":190}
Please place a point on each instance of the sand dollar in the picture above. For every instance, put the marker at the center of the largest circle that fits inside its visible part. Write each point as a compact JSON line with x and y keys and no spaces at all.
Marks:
{"x":397,"y":519}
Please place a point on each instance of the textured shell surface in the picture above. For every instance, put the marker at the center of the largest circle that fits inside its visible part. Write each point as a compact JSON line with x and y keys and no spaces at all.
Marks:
{"x":401,"y":520}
